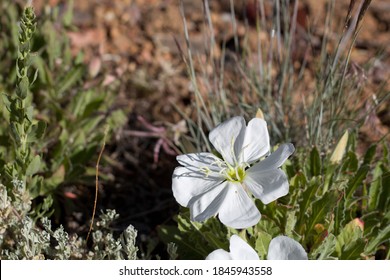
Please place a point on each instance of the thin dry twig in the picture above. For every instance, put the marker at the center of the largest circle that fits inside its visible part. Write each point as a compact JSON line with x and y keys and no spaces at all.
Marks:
{"x":97,"y":182}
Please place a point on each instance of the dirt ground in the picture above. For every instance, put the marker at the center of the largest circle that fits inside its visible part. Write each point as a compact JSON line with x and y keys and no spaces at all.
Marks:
{"x":136,"y":41}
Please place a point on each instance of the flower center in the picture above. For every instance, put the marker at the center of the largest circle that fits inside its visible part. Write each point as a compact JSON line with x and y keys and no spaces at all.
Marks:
{"x":235,"y":174}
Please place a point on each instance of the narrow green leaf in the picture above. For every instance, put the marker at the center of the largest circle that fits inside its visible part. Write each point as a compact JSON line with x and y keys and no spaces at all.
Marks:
{"x":15,"y":133}
{"x":35,"y":77}
{"x":384,"y":198}
{"x":369,"y":156}
{"x":356,"y":180}
{"x":71,"y":78}
{"x":291,"y":222}
{"x":307,"y":198}
{"x":339,"y":216}
{"x":315,"y":162}
{"x":375,"y":188}
{"x":320,"y":210}
{"x":350,"y":162}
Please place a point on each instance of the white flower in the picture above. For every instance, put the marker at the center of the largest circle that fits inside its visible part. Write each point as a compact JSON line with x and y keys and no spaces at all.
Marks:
{"x":285,"y":248}
{"x":239,"y":250}
{"x":280,"y":248}
{"x":209,"y":185}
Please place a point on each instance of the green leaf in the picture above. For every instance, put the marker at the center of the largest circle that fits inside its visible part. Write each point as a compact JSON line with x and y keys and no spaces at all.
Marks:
{"x":326,"y":249}
{"x":350,"y":243}
{"x":44,"y":73}
{"x":36,"y":132}
{"x":307,"y":198}
{"x":382,"y":236}
{"x":353,"y":250}
{"x":71,"y":78}
{"x":267,"y":226}
{"x":22,"y":88}
{"x":315,"y":162}
{"x":356,"y":180}
{"x":339,"y":216}
{"x":291,"y":220}
{"x":34,"y":166}
{"x":350,"y":163}
{"x":7,"y":99}
{"x":369,"y":156}
{"x":375,"y":188}
{"x":79,"y":101}
{"x":36,"y":187}
{"x":15,"y":132}
{"x":53,"y":44}
{"x":262,"y":243}
{"x":214,"y":240}
{"x":321,"y":209}
{"x":384,"y":198}
{"x":93,"y":107}
{"x":264,"y":231}
{"x":68,"y":15}
{"x":47,"y":203}
{"x":29,"y":113}
{"x":35,"y":77}
{"x":329,"y":174}
{"x":298,"y":181}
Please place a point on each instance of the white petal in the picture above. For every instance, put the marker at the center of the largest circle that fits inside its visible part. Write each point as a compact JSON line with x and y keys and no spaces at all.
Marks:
{"x":200,"y":160}
{"x":224,"y":136}
{"x":188,"y":183}
{"x":238,"y":210}
{"x":256,"y":141}
{"x":219,"y":254}
{"x":268,"y":185}
{"x":240,"y":250}
{"x":207,"y":204}
{"x":276,"y":159}
{"x":285,"y":248}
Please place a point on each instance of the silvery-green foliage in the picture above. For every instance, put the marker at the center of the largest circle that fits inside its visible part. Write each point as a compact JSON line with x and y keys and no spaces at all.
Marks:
{"x":19,"y":236}
{"x":127,"y":240}
{"x":108,"y":247}
{"x":22,"y":238}
{"x":172,"y":251}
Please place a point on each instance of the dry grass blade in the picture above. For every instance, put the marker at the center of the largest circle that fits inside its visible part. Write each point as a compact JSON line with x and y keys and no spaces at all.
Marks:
{"x":362,"y":12}
{"x":349,"y":14}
